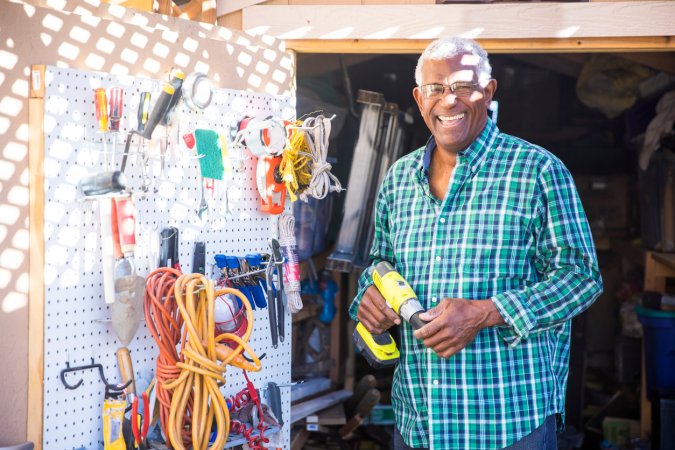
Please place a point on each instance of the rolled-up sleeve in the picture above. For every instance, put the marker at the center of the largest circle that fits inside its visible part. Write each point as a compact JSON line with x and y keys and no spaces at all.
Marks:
{"x":565,"y":259}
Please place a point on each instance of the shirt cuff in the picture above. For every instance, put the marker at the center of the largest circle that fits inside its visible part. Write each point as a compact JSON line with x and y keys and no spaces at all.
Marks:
{"x":511,"y":306}
{"x":364,"y":284}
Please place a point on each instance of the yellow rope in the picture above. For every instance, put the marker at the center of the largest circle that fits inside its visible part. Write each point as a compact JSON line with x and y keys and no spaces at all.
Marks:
{"x":296,"y":164}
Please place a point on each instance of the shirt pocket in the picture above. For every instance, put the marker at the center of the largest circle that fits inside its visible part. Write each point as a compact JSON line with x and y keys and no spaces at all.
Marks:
{"x":497,"y":243}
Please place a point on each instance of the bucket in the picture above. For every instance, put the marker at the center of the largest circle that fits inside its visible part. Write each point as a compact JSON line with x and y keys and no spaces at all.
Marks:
{"x":659,"y":346}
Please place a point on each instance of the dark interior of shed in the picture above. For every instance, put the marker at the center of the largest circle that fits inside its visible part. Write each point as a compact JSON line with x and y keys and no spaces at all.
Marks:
{"x":590,"y":110}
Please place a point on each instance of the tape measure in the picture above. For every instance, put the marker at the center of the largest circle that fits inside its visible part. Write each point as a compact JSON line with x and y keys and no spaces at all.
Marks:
{"x":271,"y":188}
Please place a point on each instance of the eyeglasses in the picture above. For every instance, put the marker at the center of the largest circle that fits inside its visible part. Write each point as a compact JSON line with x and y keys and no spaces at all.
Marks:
{"x":458,"y":89}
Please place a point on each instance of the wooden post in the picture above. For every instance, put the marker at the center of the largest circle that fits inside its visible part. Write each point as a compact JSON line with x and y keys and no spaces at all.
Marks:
{"x":336,"y":336}
{"x":36,"y":294}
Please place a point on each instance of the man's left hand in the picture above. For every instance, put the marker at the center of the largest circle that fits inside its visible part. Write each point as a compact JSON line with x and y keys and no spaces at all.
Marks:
{"x":454,"y":323}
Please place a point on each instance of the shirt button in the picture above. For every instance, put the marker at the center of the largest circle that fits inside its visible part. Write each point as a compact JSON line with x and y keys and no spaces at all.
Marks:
{"x":442,"y":219}
{"x":434,"y":299}
{"x":435,"y":381}
{"x":438,"y":258}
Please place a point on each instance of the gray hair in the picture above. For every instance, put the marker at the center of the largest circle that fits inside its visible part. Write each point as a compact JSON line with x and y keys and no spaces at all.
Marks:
{"x":448,"y":47}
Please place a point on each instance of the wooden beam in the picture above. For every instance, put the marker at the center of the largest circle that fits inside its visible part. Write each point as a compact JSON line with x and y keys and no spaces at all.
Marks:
{"x":302,"y":410}
{"x":36,"y":292}
{"x":229,"y":6}
{"x":480,"y":21}
{"x":415,"y":46}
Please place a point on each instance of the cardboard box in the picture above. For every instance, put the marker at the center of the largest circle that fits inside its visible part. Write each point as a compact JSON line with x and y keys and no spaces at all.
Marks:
{"x":606,"y":201}
{"x":620,"y":431}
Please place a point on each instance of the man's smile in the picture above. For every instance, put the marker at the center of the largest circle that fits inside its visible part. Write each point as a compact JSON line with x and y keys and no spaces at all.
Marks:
{"x":450,"y":120}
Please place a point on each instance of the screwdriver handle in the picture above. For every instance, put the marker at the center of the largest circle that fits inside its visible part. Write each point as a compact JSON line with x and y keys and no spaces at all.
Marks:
{"x":176,"y":83}
{"x":158,"y":111}
{"x":143,"y":110}
{"x":101,"y":109}
{"x":115,"y":107}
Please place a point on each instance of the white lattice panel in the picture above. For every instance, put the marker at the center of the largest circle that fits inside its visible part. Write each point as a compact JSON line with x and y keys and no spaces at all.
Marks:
{"x":75,"y":311}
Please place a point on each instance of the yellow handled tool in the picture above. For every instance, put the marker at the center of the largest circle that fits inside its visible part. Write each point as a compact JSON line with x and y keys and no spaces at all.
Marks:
{"x":380,"y":350}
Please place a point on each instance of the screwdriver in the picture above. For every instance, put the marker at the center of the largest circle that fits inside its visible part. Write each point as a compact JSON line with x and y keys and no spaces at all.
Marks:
{"x":101,"y":111}
{"x":115,"y":107}
{"x":156,"y":115}
{"x":142,"y":116}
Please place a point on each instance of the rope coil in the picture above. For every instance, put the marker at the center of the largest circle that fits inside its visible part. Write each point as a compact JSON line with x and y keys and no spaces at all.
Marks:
{"x":289,"y":251}
{"x":191,"y":380}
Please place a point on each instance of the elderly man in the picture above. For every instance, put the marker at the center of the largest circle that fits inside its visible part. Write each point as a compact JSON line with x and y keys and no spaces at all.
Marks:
{"x":489,"y":231}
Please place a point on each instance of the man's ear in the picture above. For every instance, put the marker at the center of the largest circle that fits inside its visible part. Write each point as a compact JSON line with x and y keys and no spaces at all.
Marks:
{"x":490,"y":90}
{"x":417,"y":95}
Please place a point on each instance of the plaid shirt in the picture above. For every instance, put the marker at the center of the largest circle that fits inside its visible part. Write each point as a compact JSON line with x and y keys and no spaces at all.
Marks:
{"x":511,"y":229}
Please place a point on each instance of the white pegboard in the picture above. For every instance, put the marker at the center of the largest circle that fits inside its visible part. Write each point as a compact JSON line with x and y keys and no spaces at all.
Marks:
{"x":75,"y":310}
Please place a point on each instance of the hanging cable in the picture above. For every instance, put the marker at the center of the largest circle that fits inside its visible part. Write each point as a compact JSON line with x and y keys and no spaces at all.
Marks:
{"x":289,"y":251}
{"x":165,"y":323}
{"x":317,"y":138}
{"x":195,"y":401}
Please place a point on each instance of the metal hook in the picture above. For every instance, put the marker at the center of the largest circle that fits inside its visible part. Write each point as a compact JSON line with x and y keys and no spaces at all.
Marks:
{"x":79,"y":383}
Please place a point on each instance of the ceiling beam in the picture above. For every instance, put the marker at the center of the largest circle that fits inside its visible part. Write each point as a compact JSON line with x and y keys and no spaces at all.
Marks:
{"x":415,"y":46}
{"x":570,"y":25}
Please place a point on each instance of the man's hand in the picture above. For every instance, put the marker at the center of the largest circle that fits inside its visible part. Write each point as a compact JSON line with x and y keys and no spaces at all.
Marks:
{"x":374,"y":313}
{"x":454,"y":323}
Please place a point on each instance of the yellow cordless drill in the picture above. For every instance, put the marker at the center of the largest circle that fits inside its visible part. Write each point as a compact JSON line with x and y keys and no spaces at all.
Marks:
{"x":380,"y":350}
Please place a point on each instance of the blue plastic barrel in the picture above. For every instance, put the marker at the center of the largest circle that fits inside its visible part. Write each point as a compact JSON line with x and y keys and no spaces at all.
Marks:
{"x":659,"y":346}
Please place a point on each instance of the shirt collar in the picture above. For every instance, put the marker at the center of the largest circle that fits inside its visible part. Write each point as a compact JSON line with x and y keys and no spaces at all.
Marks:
{"x":473,"y":155}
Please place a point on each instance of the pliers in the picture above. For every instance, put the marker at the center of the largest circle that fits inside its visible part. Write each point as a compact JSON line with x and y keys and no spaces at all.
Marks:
{"x":142,"y":422}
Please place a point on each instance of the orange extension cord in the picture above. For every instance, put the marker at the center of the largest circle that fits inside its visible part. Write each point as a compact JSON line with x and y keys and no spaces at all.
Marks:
{"x":165,"y":324}
{"x":188,"y":383}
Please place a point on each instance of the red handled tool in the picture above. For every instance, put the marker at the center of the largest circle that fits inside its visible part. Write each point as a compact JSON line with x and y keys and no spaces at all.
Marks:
{"x":115,"y":107}
{"x":142,"y":422}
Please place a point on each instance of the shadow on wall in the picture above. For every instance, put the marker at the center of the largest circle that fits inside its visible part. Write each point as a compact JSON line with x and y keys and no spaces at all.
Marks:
{"x":122,"y":43}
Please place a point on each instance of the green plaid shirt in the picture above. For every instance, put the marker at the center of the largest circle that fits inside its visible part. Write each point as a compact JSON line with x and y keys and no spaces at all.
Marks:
{"x":512,"y":229}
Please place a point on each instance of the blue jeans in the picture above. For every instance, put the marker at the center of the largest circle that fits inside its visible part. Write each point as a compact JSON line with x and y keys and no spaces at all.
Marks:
{"x":542,"y":438}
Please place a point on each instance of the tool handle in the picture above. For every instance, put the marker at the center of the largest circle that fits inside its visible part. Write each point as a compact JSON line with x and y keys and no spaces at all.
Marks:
{"x":117,"y":249}
{"x":199,"y":258}
{"x":126,"y":367}
{"x":143,"y":110}
{"x":168,"y":247}
{"x":158,"y":110}
{"x":126,"y":222}
{"x":176,"y":83}
{"x":272,"y":311}
{"x":281,"y":312}
{"x":101,"y":109}
{"x":115,"y":107}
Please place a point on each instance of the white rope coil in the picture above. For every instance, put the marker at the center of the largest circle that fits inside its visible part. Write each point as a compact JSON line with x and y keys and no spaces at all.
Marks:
{"x":289,"y":251}
{"x":322,"y":181}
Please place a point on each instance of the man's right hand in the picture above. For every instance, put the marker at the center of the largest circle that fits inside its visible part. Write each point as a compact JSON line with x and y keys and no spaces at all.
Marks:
{"x":374,"y":313}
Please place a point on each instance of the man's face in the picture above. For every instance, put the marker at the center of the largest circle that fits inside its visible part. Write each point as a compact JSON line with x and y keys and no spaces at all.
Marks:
{"x":457,"y":119}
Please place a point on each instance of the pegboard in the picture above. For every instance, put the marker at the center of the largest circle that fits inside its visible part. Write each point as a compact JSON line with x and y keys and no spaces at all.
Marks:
{"x":76,"y":317}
